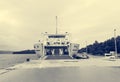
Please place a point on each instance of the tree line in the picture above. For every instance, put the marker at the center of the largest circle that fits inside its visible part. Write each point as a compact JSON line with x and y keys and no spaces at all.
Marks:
{"x":100,"y":48}
{"x":25,"y":52}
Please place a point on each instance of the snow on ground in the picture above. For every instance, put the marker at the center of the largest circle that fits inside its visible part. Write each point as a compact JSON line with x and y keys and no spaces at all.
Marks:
{"x":95,"y":69}
{"x":80,"y":63}
{"x":41,"y":63}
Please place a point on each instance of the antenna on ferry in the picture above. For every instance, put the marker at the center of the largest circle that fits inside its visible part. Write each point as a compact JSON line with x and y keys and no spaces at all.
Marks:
{"x":56,"y":25}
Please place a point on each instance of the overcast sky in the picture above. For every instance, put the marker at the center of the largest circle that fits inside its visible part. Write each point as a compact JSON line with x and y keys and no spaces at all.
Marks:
{"x":23,"y":21}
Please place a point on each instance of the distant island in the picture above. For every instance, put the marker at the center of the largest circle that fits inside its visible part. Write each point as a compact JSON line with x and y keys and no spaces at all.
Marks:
{"x":25,"y":52}
{"x":17,"y":52}
{"x":100,"y":48}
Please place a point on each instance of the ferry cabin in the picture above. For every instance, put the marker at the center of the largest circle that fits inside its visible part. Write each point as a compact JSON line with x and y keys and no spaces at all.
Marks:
{"x":56,"y":44}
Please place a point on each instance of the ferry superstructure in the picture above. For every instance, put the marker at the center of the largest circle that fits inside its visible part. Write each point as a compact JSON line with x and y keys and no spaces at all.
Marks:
{"x":55,"y":44}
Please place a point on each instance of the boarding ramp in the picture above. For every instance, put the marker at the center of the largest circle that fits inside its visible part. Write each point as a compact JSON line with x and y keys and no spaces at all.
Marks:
{"x":50,"y":57}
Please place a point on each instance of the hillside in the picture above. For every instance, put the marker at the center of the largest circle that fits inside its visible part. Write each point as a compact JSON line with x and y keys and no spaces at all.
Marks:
{"x":99,"y":48}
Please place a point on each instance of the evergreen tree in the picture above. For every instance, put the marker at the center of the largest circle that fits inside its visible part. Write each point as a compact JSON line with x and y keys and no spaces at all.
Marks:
{"x":103,"y":47}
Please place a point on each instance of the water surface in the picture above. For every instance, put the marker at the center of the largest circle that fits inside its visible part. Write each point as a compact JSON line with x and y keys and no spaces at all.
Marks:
{"x":7,"y":60}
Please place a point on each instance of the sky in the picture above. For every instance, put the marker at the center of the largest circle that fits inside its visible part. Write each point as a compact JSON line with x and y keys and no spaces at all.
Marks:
{"x":23,"y":21}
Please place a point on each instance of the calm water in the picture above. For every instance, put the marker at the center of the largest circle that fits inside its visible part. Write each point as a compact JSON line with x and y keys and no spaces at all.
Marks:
{"x":7,"y":60}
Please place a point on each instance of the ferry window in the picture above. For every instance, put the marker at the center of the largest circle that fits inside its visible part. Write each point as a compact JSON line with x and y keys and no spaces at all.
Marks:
{"x":48,"y":43}
{"x":56,"y":36}
{"x":58,"y":42}
{"x":37,"y":46}
{"x":67,"y":42}
{"x":62,"y":43}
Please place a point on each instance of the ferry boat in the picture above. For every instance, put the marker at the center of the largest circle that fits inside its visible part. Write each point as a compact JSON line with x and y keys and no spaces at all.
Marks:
{"x":56,"y":45}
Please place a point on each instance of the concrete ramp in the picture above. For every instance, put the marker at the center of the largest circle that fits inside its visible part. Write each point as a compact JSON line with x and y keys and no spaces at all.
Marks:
{"x":58,"y":57}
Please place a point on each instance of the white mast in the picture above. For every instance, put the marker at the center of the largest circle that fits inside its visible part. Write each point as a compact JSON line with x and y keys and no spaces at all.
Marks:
{"x":56,"y":26}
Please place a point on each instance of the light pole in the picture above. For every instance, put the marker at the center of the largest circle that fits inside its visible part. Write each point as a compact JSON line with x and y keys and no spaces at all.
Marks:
{"x":86,"y":47}
{"x":115,"y":43}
